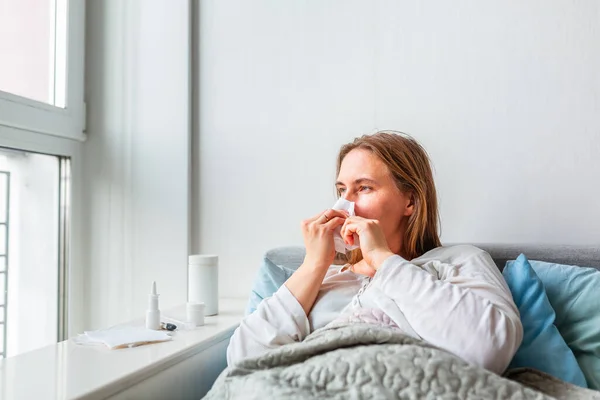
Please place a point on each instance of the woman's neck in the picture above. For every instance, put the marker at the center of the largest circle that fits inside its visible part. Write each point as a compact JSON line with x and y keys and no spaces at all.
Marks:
{"x":399,"y":249}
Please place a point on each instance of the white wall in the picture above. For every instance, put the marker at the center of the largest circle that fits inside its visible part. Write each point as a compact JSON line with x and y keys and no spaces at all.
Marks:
{"x":505,"y":95}
{"x":137,"y":156}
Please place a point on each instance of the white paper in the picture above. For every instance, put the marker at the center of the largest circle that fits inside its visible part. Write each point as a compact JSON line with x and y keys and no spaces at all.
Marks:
{"x":340,"y":246}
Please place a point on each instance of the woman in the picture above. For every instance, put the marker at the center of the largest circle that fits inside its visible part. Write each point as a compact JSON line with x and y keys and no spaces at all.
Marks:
{"x":452,"y":297}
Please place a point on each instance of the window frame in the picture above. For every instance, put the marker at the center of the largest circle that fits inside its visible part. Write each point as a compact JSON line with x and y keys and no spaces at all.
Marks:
{"x":34,"y":126}
{"x":45,"y":119}
{"x":71,"y":317}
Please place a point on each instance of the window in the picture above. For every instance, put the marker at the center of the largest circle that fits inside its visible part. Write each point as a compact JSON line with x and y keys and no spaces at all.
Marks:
{"x":4,"y":227}
{"x":41,"y":134}
{"x":32,"y":204}
{"x":41,"y":72}
{"x":39,"y":54}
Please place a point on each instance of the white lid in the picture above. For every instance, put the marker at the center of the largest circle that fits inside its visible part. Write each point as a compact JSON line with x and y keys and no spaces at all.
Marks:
{"x":203,"y":259}
{"x":195,"y":306}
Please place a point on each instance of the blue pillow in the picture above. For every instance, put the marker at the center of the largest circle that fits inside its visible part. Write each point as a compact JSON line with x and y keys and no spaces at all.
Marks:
{"x":270,"y":277}
{"x":543,"y":348}
{"x":574,"y":293}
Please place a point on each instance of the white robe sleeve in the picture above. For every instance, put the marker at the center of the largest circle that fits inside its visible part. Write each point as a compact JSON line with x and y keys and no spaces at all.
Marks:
{"x":278,"y":320}
{"x":467,"y":310}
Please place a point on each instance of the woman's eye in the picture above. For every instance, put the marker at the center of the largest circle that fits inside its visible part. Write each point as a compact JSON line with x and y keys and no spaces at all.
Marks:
{"x":365,"y":188}
{"x":341,"y":190}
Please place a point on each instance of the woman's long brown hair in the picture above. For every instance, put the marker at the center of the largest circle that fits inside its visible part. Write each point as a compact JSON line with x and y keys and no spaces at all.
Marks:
{"x":410,"y":167}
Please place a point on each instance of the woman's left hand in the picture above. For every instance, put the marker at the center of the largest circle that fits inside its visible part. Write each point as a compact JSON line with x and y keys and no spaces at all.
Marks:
{"x":373,"y":245}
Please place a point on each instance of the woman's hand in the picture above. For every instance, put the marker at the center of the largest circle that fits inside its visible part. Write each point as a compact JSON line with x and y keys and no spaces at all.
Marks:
{"x":373,"y":244}
{"x":318,"y":237}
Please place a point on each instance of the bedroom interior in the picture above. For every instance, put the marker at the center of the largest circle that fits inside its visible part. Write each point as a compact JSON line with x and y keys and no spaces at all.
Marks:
{"x":136,"y":134}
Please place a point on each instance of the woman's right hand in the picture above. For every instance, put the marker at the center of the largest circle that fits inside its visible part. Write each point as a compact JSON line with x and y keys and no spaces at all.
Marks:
{"x":318,"y":237}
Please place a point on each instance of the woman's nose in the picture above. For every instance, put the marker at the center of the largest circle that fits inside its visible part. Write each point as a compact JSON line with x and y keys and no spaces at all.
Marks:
{"x":350,"y":197}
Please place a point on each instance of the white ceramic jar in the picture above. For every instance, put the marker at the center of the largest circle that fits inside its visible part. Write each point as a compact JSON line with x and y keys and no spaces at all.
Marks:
{"x":203,"y":281}
{"x":195,"y":314}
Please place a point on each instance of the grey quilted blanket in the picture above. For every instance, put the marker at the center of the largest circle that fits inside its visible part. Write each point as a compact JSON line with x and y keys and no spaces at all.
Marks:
{"x":362,"y":361}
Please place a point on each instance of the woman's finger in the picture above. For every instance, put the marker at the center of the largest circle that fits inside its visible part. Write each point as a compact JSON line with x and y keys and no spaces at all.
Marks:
{"x":355,"y":220}
{"x":336,"y":213}
{"x":349,"y":228}
{"x":329,"y":214}
{"x":316,"y":216}
{"x":305,"y":223}
{"x":334,"y":223}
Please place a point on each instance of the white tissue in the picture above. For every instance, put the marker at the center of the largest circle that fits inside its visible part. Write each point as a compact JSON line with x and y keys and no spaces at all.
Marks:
{"x":125,"y":337}
{"x":340,"y":246}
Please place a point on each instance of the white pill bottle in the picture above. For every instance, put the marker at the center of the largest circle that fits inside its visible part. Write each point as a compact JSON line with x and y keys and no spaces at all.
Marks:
{"x":203,"y":281}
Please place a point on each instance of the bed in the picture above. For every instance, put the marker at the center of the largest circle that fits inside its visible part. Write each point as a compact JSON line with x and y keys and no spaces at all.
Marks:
{"x":358,"y":361}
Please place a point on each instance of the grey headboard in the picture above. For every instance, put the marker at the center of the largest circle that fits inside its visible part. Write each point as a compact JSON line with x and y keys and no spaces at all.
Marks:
{"x":585,"y":256}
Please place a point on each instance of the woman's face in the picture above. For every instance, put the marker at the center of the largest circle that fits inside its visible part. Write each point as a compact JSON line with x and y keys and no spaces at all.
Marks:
{"x":366,"y":180}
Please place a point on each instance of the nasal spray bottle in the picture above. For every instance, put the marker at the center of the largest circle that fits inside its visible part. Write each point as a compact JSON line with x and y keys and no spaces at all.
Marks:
{"x":153,"y":313}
